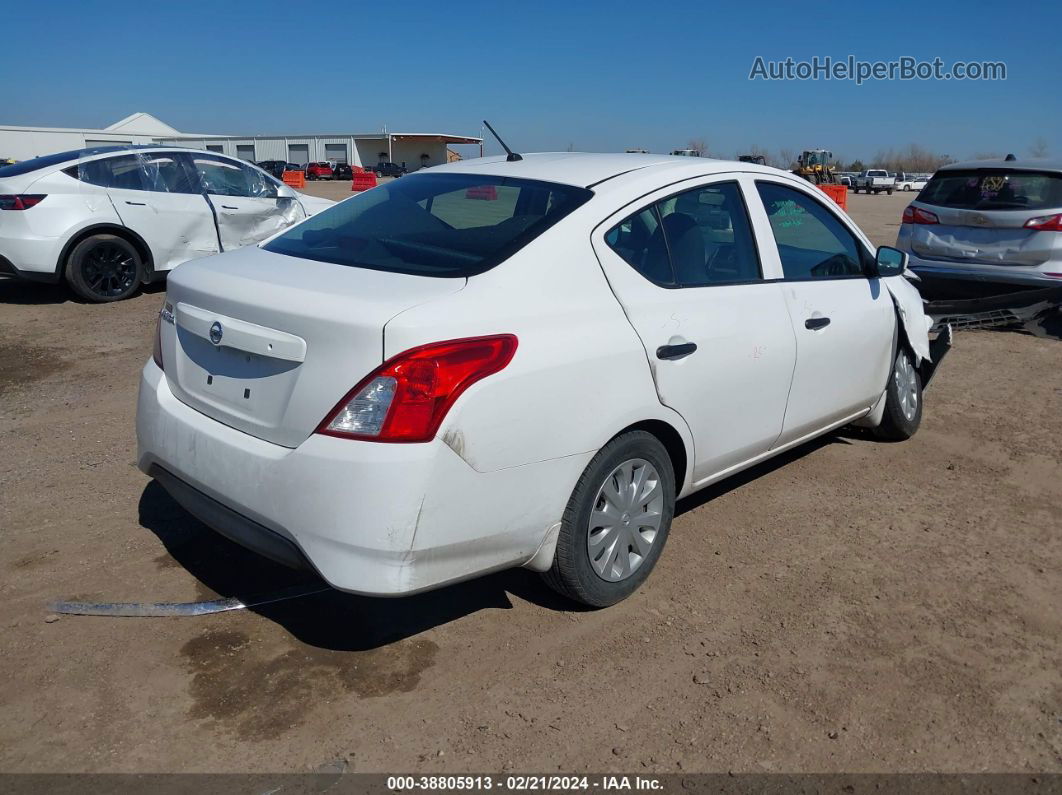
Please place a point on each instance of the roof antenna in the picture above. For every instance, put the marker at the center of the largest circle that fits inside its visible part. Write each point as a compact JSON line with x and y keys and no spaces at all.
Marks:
{"x":512,"y":156}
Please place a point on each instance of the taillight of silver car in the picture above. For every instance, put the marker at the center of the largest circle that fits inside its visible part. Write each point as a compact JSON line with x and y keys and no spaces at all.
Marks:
{"x":167,"y":315}
{"x":21,"y":201}
{"x":408,"y":396}
{"x":1045,"y":223}
{"x":916,"y":215}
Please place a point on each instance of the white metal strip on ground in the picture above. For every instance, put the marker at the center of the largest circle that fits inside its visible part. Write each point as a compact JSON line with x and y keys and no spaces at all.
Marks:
{"x":169,"y":609}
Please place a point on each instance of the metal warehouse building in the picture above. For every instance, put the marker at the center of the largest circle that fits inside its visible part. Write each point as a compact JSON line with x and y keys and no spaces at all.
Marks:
{"x":413,"y":150}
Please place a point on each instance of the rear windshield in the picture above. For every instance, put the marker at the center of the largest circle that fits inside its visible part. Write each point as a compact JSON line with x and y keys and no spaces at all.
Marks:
{"x":994,"y":189}
{"x":449,"y":225}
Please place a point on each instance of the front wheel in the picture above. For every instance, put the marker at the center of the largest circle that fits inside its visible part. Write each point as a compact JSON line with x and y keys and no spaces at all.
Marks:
{"x":104,"y":268}
{"x":903,"y":400}
{"x":616,"y":523}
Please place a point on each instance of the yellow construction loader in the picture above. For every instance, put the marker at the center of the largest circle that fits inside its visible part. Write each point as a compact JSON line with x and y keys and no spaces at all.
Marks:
{"x":814,"y":166}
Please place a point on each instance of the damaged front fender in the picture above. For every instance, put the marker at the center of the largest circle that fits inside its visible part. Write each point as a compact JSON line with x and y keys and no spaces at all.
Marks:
{"x":911,"y":309}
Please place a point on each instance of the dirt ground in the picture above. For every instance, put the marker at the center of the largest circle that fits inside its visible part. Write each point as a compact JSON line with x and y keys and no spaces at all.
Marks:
{"x":852,"y":606}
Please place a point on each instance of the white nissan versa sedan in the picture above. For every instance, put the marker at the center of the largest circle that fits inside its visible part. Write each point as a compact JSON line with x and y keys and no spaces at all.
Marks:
{"x":111,"y":218}
{"x":504,"y":363}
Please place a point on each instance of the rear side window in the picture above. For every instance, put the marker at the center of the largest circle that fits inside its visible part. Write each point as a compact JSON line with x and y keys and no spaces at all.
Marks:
{"x":112,"y":172}
{"x":693,"y":239}
{"x":448,"y":225}
{"x":162,"y":172}
{"x":994,"y":189}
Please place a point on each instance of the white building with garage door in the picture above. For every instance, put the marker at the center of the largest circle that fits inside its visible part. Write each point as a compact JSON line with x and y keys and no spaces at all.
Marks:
{"x":413,"y":150}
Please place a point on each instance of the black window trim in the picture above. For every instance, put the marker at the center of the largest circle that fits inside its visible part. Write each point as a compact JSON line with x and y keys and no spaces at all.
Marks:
{"x":728,"y":177}
{"x":865,"y":256}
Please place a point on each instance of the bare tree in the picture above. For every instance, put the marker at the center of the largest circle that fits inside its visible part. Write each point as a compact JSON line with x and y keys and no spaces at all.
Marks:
{"x":699,"y":144}
{"x":986,"y":156}
{"x":1039,"y":148}
{"x":912,"y":158}
{"x":786,"y":158}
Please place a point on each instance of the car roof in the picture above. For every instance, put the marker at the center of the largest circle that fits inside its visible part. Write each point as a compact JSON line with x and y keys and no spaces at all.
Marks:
{"x":1028,"y":164}
{"x":586,"y":169}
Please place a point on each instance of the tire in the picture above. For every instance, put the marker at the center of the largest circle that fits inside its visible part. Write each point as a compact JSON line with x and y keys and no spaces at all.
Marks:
{"x":618,"y":570}
{"x":906,"y":188}
{"x":379,"y":174}
{"x":104,"y":268}
{"x":889,"y":192}
{"x":902,"y":416}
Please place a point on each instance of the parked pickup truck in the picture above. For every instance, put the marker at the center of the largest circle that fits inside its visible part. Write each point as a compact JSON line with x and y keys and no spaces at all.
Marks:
{"x":874,"y":180}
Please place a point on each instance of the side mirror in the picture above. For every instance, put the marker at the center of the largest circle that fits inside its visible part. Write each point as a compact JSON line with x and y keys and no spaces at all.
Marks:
{"x":286,"y":192}
{"x":890,"y":261}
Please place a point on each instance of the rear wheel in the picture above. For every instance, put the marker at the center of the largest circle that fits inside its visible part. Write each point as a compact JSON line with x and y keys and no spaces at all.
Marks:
{"x":616,"y":523}
{"x":903,"y":400}
{"x":104,"y":268}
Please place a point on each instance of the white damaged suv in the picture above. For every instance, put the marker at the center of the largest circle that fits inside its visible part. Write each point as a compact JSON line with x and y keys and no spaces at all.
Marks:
{"x":524,"y":362}
{"x":111,"y":218}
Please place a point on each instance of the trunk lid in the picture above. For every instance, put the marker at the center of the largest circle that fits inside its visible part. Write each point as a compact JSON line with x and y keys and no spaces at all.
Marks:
{"x":982,"y":237}
{"x":268,"y":343}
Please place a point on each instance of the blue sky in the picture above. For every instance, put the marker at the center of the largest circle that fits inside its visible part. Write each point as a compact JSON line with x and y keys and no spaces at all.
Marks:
{"x":598,"y":76}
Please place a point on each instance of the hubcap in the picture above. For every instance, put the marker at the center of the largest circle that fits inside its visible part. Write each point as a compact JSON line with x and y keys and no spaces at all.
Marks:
{"x":108,"y":269}
{"x":625,"y":519}
{"x":906,"y":385}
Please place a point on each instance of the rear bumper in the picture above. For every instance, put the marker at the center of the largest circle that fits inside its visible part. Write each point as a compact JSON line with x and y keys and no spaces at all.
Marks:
{"x":944,"y":281}
{"x":229,"y":523}
{"x":377,"y":519}
{"x":34,"y":259}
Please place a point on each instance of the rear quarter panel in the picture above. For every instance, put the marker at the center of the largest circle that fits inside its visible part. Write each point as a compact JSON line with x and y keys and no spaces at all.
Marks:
{"x":580,"y":373}
{"x":70,"y":204}
{"x":44,"y":230}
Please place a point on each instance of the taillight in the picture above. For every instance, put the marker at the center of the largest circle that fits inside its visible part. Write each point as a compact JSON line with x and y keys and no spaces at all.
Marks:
{"x":21,"y":201}
{"x":156,"y":352}
{"x":916,"y":215}
{"x":165,"y":314}
{"x":1045,"y":223}
{"x":407,"y":397}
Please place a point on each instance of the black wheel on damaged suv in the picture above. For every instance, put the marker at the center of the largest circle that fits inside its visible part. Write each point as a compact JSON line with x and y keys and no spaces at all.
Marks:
{"x":104,"y":268}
